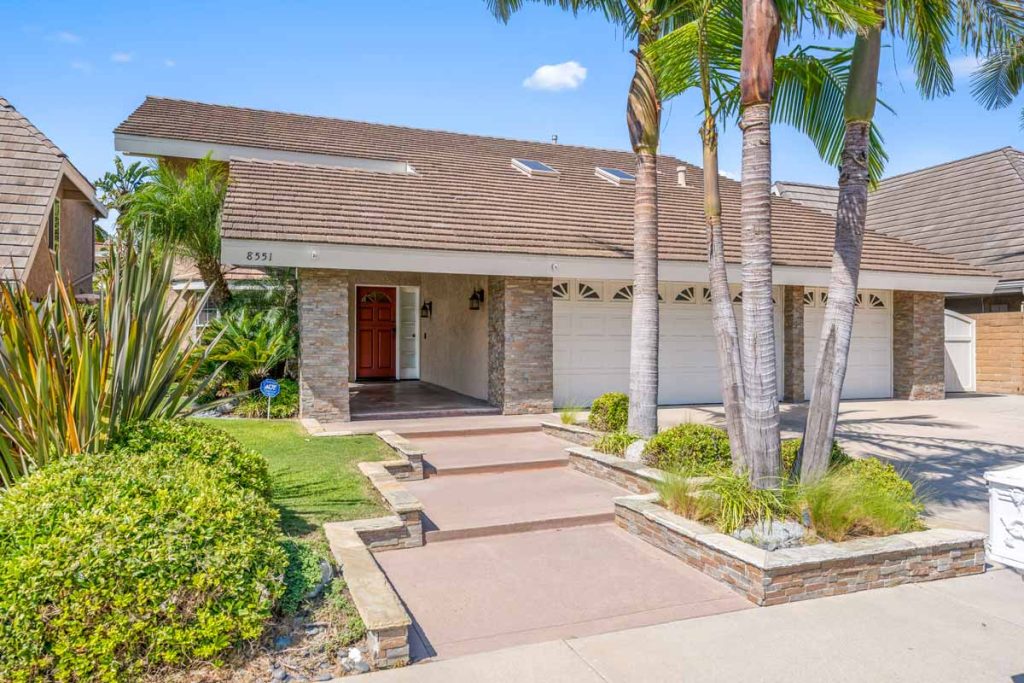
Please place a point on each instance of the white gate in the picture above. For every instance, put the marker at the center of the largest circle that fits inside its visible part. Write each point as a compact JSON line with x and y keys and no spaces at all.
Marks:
{"x":960,"y":356}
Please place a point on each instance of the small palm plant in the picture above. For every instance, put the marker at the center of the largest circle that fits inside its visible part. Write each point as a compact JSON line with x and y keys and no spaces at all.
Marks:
{"x":72,"y":375}
{"x":250,"y":343}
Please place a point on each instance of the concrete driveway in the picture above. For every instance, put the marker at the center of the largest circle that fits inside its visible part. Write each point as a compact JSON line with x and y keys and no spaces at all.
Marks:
{"x":945,"y":446}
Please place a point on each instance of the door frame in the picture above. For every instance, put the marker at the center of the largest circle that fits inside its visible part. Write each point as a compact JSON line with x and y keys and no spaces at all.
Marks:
{"x":398,"y":362}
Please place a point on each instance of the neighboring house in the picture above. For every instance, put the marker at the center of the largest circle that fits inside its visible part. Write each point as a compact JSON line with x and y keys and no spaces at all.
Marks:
{"x":47,"y":209}
{"x":973,"y":210}
{"x":185,"y":278}
{"x":501,"y":269}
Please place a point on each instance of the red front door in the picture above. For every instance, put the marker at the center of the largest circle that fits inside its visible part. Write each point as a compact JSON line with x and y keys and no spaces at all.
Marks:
{"x":375,"y":332}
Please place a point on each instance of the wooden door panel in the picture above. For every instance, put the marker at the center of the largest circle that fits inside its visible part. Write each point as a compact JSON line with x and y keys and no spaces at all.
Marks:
{"x":375,"y":332}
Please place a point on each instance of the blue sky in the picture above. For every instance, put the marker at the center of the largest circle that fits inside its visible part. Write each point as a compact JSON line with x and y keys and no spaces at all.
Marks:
{"x":77,"y":69}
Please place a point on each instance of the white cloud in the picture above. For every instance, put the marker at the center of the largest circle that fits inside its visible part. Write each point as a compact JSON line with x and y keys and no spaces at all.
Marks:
{"x":122,"y":57}
{"x":730,"y":175}
{"x":170,"y":63}
{"x":564,"y":76}
{"x":84,"y":67}
{"x":66,"y":37}
{"x":963,"y":67}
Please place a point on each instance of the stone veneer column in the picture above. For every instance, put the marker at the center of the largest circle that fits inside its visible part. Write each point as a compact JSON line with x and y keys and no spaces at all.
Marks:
{"x":918,"y":341}
{"x":323,"y":340}
{"x":520,"y":375}
{"x":793,"y":343}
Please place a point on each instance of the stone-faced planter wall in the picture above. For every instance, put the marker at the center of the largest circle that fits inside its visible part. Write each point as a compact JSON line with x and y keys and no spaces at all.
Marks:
{"x":387,"y":622}
{"x":813,"y":571}
{"x":632,"y":476}
{"x":409,"y":464}
{"x":405,"y":529}
{"x":578,"y":434}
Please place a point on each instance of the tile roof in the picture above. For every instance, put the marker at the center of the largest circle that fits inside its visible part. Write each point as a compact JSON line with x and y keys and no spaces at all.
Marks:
{"x":30,"y":170}
{"x":821,"y":197}
{"x":971,"y":209}
{"x":185,"y":270}
{"x":465,"y":195}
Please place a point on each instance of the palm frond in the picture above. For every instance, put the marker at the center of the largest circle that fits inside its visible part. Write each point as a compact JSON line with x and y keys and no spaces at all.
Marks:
{"x":617,"y":11}
{"x":988,"y":23}
{"x":928,"y":27}
{"x":1000,"y":77}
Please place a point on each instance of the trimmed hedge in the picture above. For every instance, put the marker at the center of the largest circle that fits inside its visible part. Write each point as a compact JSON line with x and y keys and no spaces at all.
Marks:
{"x":115,"y":565}
{"x":695,"y":448}
{"x":201,"y":442}
{"x":609,"y":412}
{"x":790,"y":448}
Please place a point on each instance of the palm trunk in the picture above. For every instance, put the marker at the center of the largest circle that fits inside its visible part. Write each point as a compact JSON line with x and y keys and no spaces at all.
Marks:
{"x":643,"y":114}
{"x":213,"y":277}
{"x":723,"y":317}
{"x":837,"y":328}
{"x":760,"y":383}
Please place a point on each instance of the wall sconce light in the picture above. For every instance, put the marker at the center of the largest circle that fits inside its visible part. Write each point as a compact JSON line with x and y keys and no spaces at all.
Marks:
{"x":475,"y":299}
{"x":427,"y":309}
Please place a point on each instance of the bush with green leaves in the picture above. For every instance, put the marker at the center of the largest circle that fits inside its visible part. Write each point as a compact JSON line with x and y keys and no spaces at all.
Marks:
{"x":199,"y":441}
{"x":283,"y":406}
{"x":301,"y":576}
{"x":694,"y":448}
{"x":609,"y":412}
{"x":791,"y":447}
{"x":727,"y":500}
{"x":113,"y":566}
{"x":862,"y":498}
{"x":615,"y":443}
{"x":251,"y":344}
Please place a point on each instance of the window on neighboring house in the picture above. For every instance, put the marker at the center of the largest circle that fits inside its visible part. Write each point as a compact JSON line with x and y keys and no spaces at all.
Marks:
{"x":207,"y":314}
{"x":53,"y":227}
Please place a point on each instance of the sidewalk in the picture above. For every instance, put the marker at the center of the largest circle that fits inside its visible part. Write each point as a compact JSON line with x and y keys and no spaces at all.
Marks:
{"x":968,"y":629}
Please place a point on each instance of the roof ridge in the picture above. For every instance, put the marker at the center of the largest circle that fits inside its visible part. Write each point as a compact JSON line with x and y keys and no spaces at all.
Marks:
{"x":35,"y":132}
{"x":1016,"y":160}
{"x":801,"y":184}
{"x":410,"y":128}
{"x":991,"y":152}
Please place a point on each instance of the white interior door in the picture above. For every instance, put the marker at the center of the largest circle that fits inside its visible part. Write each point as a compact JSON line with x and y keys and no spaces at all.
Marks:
{"x":960,"y":352}
{"x":869,"y":372}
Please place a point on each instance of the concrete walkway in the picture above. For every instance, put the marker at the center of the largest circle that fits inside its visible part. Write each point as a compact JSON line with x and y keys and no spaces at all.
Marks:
{"x":967,"y":629}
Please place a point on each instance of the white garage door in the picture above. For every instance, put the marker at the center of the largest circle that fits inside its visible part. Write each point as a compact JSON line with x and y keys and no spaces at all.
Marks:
{"x":591,"y":342}
{"x":869,"y":372}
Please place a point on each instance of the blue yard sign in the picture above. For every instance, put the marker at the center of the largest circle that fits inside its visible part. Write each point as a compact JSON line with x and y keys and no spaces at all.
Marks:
{"x":270,"y":388}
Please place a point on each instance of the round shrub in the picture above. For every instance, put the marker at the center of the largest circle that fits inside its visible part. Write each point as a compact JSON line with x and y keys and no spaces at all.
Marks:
{"x":882,"y":475}
{"x":790,"y":448}
{"x":691,"y":447}
{"x":115,"y":565}
{"x":199,"y":441}
{"x":609,"y":412}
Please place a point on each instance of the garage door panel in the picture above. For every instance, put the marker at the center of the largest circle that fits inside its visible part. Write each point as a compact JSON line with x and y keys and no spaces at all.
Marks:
{"x":869,"y":370}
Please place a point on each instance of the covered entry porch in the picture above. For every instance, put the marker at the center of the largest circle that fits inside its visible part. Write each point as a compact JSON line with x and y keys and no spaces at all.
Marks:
{"x":377,"y":344}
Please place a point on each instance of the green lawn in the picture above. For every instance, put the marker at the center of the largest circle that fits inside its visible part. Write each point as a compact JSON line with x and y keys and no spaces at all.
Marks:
{"x":315,"y":480}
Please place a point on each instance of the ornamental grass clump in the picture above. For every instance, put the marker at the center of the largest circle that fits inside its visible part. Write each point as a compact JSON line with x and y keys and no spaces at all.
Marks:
{"x":696,"y":448}
{"x":609,"y":412}
{"x":725,"y":499}
{"x":116,"y":566}
{"x":863,"y":498}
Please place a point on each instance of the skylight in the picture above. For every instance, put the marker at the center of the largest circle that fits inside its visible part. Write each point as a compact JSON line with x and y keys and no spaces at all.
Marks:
{"x":615,"y":176}
{"x":531,"y":167}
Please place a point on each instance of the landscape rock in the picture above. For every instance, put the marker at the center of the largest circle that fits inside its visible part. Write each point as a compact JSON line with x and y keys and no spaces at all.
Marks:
{"x":635,"y":450}
{"x":773,"y":535}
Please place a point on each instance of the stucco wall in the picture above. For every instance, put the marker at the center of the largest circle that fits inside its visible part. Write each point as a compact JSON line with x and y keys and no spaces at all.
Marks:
{"x":76,"y":242}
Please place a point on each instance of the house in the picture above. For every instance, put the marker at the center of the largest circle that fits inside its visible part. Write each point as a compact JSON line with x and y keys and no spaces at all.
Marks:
{"x":185,"y":278}
{"x":47,"y":209}
{"x":500,"y":269}
{"x":973,"y":210}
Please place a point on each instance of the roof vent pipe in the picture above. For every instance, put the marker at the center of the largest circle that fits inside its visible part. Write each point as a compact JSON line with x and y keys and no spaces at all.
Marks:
{"x":554,"y":139}
{"x":681,"y":175}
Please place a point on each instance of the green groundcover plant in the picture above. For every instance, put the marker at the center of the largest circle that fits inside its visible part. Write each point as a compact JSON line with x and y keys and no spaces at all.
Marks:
{"x":615,"y":443}
{"x":116,"y":565}
{"x":192,"y":439}
{"x":609,"y":412}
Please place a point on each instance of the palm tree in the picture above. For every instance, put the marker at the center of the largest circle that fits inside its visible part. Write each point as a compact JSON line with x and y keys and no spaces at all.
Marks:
{"x":928,"y":31}
{"x":1000,"y":78}
{"x":182,"y":211}
{"x":118,"y":187}
{"x":642,"y":19}
{"x":705,"y":52}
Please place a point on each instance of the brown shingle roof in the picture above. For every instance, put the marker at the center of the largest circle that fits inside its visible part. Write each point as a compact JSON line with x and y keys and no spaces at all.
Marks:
{"x":464,"y":194}
{"x":971,"y":209}
{"x":30,"y":169}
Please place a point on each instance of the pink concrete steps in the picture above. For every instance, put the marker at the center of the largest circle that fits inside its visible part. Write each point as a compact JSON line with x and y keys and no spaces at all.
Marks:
{"x":490,"y":452}
{"x":496,"y":503}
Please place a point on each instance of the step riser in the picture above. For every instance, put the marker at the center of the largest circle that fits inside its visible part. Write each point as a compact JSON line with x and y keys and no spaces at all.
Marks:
{"x":518,"y":527}
{"x":469,"y":431}
{"x":493,"y":468}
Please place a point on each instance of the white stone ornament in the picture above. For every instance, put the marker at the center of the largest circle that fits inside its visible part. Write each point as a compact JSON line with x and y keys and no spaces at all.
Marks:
{"x":1006,"y":516}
